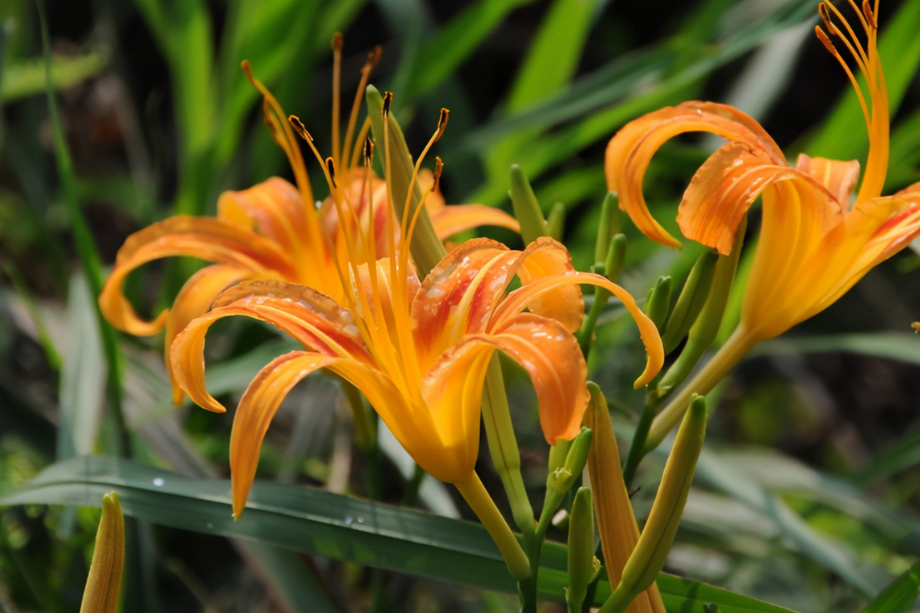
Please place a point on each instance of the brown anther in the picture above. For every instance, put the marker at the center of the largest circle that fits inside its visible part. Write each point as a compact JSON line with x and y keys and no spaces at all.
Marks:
{"x":301,"y":129}
{"x":826,"y":18}
{"x":330,"y":166}
{"x":438,"y":167}
{"x":247,"y":68}
{"x":337,"y":41}
{"x":869,"y":14}
{"x":368,"y":152}
{"x":442,"y":124}
{"x":387,"y":99}
{"x":825,"y":40}
{"x":374,"y":56}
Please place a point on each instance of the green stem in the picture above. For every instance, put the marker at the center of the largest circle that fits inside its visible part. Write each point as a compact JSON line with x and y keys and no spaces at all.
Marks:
{"x":735,"y":348}
{"x":640,"y":436}
{"x":475,"y":494}
{"x":503,"y":446}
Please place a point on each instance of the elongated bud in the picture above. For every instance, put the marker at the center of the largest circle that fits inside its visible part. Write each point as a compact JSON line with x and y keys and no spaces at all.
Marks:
{"x":583,"y":567}
{"x":649,"y":556}
{"x":616,"y":257}
{"x":691,"y":300}
{"x":608,"y":226}
{"x":526,"y":207}
{"x":659,"y":301}
{"x":555,"y":221}
{"x":104,"y":582}
{"x":561,"y":479}
{"x":427,"y":250}
{"x":704,"y":330}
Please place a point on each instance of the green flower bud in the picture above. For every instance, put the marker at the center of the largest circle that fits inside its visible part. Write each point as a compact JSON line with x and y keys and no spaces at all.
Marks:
{"x":582,"y":565}
{"x":526,"y":207}
{"x":691,"y":300}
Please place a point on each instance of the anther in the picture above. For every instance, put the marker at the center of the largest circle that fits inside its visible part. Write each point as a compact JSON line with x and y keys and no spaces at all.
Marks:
{"x":295,"y":122}
{"x":387,"y":99}
{"x":368,"y":152}
{"x":330,"y":166}
{"x":337,"y":41}
{"x":374,"y":56}
{"x":438,"y":167}
{"x":825,"y":41}
{"x":826,"y":18}
{"x":870,"y":15}
{"x":442,"y":124}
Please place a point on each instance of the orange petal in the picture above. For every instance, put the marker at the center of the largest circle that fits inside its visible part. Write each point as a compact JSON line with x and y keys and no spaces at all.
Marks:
{"x":631,"y":149}
{"x":838,"y":178}
{"x":552,"y":357}
{"x":451,"y":220}
{"x":798,"y":255}
{"x":199,"y":237}
{"x":459,"y":294}
{"x":311,"y":318}
{"x":722,"y":191}
{"x":195,"y":299}
{"x":452,"y":391}
{"x":546,"y":257}
{"x":264,"y":395}
{"x":521,"y":298}
{"x":273,"y":208}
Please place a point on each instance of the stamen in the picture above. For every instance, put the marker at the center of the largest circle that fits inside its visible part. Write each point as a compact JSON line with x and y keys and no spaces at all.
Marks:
{"x":442,"y":124}
{"x":330,"y":166}
{"x":337,"y":42}
{"x":438,"y":167}
{"x":855,"y":47}
{"x":387,"y":99}
{"x":372,"y":58}
{"x":826,"y":41}
{"x":869,"y":14}
{"x":301,"y":129}
{"x":284,"y":136}
{"x":362,"y":136}
{"x":368,"y":152}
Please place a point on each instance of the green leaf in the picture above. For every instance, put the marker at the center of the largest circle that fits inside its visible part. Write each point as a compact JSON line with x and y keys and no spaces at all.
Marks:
{"x":900,"y":595}
{"x":82,"y":374}
{"x":901,"y":346}
{"x":27,"y":77}
{"x":452,"y":43}
{"x":86,"y":246}
{"x":891,"y":460}
{"x":321,"y":523}
{"x":624,"y":88}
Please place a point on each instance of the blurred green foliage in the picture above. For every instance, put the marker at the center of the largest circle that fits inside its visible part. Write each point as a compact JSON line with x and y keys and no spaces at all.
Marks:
{"x":158,"y":119}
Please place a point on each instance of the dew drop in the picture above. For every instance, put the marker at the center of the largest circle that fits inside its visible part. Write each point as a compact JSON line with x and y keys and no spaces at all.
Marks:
{"x":159,"y":481}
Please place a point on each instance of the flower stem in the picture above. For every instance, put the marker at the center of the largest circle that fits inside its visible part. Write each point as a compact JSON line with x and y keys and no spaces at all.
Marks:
{"x":475,"y":494}
{"x":735,"y":348}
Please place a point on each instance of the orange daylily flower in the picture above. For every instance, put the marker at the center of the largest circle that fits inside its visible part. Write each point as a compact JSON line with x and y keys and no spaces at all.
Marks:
{"x":272,"y":230}
{"x":817,"y":239}
{"x":417,"y":348}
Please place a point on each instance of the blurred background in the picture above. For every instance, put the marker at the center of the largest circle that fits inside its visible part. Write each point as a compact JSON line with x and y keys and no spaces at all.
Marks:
{"x":807,"y":494}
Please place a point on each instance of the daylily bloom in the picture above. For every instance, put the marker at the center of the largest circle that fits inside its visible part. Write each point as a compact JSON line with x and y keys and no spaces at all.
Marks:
{"x":273,"y":230}
{"x":418,"y":348}
{"x":816,"y":239}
